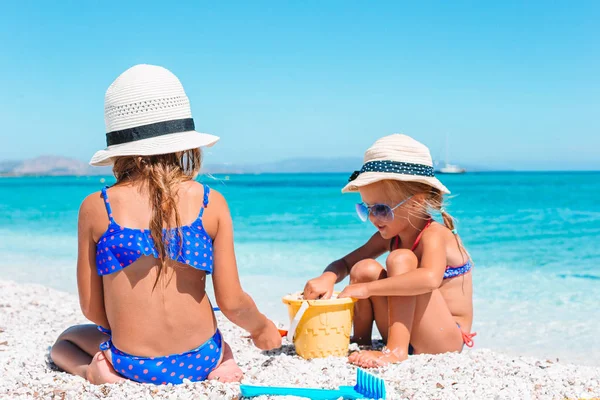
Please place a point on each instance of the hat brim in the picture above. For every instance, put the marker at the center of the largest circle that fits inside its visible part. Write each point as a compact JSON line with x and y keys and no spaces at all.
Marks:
{"x":367,"y":178}
{"x":164,"y":144}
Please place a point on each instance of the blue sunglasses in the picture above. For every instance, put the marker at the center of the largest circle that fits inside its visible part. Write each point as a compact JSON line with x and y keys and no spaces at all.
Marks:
{"x":382,"y":212}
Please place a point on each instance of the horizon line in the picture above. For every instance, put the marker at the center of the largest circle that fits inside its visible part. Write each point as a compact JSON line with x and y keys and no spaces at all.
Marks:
{"x":515,"y":171}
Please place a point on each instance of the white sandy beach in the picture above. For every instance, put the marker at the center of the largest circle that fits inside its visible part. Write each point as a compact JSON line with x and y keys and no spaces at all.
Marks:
{"x":31,"y":317}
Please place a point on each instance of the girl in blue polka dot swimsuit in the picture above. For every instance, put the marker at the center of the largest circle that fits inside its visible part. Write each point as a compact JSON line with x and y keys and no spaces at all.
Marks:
{"x":120,"y":247}
{"x":146,"y":246}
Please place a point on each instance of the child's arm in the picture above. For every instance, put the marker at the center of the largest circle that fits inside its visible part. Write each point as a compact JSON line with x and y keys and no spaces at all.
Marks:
{"x":89,"y":283}
{"x":322,"y":287}
{"x":425,"y":279}
{"x":234,"y":303}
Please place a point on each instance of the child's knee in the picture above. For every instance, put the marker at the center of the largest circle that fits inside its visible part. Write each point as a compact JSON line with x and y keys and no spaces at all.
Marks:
{"x":70,"y":333}
{"x":58,"y":350}
{"x":62,"y":352}
{"x":401,"y":261}
{"x":366,"y":271}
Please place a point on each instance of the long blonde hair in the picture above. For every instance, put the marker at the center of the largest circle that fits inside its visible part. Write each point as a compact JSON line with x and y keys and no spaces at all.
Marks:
{"x":433,"y":202}
{"x":162,"y":174}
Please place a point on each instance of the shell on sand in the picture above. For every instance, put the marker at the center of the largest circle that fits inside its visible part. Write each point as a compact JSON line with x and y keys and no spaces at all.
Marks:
{"x":32,"y":316}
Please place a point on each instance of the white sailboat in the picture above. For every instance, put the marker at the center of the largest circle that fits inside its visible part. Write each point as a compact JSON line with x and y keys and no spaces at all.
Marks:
{"x":451,"y":169}
{"x":448,"y":168}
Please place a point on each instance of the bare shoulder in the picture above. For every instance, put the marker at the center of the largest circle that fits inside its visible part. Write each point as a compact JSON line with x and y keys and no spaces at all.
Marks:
{"x":93,"y":216}
{"x":437,"y":233}
{"x":197,"y":189}
{"x":217,"y":199}
{"x":92,"y":205}
{"x":217,"y":209}
{"x":193,"y":188}
{"x":217,"y":202}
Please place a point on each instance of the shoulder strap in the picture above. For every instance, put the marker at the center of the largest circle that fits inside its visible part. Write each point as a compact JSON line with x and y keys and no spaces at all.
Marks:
{"x":418,"y":239}
{"x":205,"y":202}
{"x":206,"y":193}
{"x":107,"y":203}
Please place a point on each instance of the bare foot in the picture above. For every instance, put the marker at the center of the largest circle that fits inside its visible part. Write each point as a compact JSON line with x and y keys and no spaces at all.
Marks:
{"x":228,"y":370}
{"x":375,"y":359}
{"x":101,"y":371}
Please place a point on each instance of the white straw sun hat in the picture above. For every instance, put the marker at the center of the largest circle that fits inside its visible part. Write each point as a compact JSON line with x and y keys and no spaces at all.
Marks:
{"x":147,"y":112}
{"x":396,"y":157}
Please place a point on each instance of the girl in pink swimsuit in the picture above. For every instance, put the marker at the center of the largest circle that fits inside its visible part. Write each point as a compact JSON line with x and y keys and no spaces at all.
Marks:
{"x":421,"y":299}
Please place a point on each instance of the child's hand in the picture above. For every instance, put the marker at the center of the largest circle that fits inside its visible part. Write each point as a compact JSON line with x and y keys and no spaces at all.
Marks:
{"x":355,"y":291}
{"x":267,"y":337}
{"x":319,"y":288}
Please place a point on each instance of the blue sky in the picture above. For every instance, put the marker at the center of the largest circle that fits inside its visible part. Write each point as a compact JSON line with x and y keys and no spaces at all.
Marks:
{"x":514,"y":84}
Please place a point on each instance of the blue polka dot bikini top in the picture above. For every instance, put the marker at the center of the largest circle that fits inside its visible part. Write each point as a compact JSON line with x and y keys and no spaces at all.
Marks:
{"x":120,"y":246}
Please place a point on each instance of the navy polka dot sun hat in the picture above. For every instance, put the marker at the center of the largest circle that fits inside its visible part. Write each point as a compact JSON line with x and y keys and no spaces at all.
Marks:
{"x":398,"y":157}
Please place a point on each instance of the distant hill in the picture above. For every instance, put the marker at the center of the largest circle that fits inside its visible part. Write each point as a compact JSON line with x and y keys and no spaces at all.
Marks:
{"x":7,"y":166}
{"x":50,"y":166}
{"x":64,"y":166}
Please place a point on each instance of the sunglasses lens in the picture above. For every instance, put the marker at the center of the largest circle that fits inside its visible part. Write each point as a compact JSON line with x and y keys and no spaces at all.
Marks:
{"x":362,"y":211}
{"x":382,"y":212}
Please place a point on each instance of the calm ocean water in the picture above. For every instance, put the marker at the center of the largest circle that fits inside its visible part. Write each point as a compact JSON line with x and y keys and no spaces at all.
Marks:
{"x":535,"y":238}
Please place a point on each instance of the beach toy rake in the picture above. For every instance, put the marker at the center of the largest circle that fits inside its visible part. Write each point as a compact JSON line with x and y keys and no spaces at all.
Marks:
{"x":367,"y":386}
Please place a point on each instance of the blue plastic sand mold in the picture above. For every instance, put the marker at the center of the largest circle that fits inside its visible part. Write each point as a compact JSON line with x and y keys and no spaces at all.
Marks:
{"x":367,"y":386}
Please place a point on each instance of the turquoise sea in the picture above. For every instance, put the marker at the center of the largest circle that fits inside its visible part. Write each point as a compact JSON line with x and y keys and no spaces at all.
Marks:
{"x":535,"y":239}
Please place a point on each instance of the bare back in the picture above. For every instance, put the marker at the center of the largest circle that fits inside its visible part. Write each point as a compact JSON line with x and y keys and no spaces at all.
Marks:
{"x":174,"y":316}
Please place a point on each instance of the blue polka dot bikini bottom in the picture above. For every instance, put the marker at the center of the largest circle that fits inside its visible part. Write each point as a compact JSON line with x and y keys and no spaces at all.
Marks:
{"x":194,"y":365}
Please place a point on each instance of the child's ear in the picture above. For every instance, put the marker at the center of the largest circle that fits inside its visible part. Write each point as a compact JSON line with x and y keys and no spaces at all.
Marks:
{"x":419,"y":202}
{"x":420,"y":197}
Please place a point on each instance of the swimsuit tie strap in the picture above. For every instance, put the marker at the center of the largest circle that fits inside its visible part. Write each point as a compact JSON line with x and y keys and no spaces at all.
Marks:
{"x":103,"y":330}
{"x":468,"y":338}
{"x":105,"y":345}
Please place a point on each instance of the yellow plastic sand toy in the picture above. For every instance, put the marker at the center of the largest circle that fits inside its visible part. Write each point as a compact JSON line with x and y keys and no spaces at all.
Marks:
{"x":320,"y":328}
